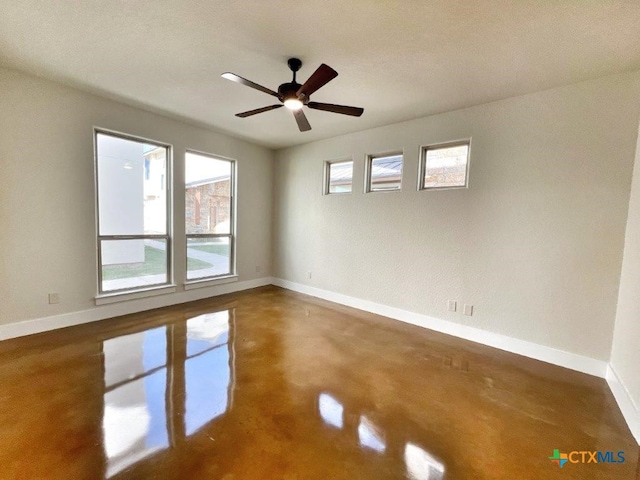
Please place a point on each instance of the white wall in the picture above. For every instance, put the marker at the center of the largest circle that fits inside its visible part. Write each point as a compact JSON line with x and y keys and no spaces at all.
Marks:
{"x":625,"y":355}
{"x":535,"y":243}
{"x":47,"y":202}
{"x":120,"y":186}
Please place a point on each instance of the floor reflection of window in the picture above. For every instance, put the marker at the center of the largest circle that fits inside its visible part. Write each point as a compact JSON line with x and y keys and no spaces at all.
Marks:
{"x":370,"y":436}
{"x":330,"y":410}
{"x":164,"y":384}
{"x":421,"y":465}
{"x":135,"y":420}
{"x":207,"y":369}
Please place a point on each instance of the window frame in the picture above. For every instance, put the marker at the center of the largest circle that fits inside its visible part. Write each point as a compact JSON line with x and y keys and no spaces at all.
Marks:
{"x":368,"y":170}
{"x":422,"y":166}
{"x":327,"y":176}
{"x":168,"y":236}
{"x":232,"y":223}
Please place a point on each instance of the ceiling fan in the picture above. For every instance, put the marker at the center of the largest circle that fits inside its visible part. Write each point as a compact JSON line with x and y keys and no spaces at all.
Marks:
{"x":294,"y":96}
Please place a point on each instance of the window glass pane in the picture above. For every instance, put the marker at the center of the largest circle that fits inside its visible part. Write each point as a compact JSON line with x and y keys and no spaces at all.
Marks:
{"x":386,"y":173}
{"x":340,"y":177}
{"x":207,"y":194}
{"x":133,"y":263}
{"x":132,"y":195}
{"x":208,"y":257}
{"x":446,"y":166}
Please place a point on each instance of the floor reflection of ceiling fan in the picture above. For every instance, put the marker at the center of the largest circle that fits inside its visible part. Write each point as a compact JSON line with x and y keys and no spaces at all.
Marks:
{"x":294,"y":96}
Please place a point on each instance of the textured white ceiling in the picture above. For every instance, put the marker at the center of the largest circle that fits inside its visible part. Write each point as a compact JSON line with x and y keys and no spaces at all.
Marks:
{"x":397,"y":59}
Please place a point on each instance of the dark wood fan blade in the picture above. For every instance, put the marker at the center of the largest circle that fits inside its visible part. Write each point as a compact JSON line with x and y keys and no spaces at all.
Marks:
{"x":258,"y":110}
{"x":235,"y":78}
{"x":343,"y":109}
{"x":323,"y":75}
{"x":301,"y":119}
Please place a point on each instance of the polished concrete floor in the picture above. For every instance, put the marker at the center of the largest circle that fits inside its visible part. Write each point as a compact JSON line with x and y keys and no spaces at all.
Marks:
{"x":269,"y":384}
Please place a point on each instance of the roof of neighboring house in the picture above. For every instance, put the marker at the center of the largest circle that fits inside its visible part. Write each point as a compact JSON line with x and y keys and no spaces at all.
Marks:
{"x":206,"y":181}
{"x":341,"y":171}
{"x":380,"y":168}
{"x":386,"y":167}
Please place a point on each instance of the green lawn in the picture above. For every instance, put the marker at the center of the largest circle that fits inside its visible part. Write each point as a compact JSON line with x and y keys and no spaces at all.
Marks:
{"x":220,"y":249}
{"x":154,"y":264}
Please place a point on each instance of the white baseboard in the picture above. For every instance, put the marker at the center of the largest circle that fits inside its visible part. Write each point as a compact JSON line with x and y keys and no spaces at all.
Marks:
{"x":38,"y":325}
{"x":630,"y":411}
{"x":503,"y":342}
{"x":521,"y":347}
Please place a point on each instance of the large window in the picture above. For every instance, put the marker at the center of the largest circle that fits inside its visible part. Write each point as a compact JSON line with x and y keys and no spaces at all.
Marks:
{"x":134,"y":245}
{"x":445,"y":166}
{"x":209,"y":216}
{"x":384,"y":172}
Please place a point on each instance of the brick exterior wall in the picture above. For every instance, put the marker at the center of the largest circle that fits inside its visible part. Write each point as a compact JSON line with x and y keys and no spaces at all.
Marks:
{"x":206,"y":206}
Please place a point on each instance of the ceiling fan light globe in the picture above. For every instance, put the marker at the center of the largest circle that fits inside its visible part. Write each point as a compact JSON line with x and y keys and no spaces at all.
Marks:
{"x":293,"y":104}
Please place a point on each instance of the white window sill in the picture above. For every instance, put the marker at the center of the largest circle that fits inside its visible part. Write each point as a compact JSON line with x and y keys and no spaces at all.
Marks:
{"x":210,"y":282}
{"x":116,"y":297}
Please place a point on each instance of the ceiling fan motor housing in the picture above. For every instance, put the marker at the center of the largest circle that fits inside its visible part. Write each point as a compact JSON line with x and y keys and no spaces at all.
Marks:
{"x":288,"y":90}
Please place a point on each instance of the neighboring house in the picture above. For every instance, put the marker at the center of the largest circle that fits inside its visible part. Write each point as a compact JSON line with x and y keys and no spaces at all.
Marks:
{"x":122,"y":164}
{"x":155,"y":189}
{"x":341,"y":177}
{"x":446,"y":167}
{"x":208,"y":205}
{"x":386,"y":173}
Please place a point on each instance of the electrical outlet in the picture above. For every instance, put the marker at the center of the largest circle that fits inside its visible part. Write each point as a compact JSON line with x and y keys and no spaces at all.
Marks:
{"x":468,"y":310}
{"x":54,"y":298}
{"x":452,"y":305}
{"x":258,"y":269}
{"x":309,"y":275}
